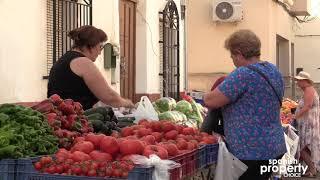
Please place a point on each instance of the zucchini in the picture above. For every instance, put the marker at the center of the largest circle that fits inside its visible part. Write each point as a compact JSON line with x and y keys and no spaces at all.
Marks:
{"x":100,"y":110}
{"x":96,"y":116}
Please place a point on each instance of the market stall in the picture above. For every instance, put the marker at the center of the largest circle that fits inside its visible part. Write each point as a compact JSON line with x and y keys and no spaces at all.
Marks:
{"x":57,"y":139}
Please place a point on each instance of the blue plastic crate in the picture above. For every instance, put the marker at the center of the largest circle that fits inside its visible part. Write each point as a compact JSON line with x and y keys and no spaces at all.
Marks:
{"x":211,"y":153}
{"x":201,"y":157}
{"x":26,"y":171}
{"x":7,"y":169}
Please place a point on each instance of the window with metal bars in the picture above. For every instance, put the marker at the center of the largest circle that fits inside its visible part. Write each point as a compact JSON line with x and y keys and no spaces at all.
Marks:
{"x":62,"y":17}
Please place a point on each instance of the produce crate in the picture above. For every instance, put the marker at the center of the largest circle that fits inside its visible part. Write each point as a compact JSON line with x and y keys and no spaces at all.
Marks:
{"x":188,"y":163}
{"x":7,"y":169}
{"x":26,"y":171}
{"x":201,"y":157}
{"x":211,"y":153}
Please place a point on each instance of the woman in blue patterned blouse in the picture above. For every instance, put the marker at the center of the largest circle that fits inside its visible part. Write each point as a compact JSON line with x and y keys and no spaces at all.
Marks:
{"x":250,"y":98}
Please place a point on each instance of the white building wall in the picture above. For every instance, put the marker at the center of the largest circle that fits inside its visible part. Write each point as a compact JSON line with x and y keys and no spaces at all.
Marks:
{"x":148,"y":47}
{"x":22,"y":50}
{"x":307,"y":52}
{"x":23,"y":46}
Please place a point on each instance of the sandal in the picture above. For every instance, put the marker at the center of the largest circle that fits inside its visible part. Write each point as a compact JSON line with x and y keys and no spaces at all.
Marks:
{"x":309,"y":174}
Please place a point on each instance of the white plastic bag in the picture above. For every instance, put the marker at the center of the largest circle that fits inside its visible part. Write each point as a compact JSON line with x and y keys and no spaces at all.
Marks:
{"x":161,"y":167}
{"x":292,"y":143}
{"x":228,"y":167}
{"x":145,"y":110}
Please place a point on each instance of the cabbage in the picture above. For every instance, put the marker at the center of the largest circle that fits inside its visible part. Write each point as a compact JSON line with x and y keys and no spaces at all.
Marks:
{"x":165,"y":104}
{"x":184,"y":107}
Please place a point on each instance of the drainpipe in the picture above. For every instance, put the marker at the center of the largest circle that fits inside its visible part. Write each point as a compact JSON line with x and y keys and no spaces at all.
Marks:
{"x":184,"y":18}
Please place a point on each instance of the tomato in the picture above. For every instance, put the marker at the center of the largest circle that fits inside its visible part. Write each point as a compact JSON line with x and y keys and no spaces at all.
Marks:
{"x":63,"y":153}
{"x":157,"y":150}
{"x":59,"y":169}
{"x":92,"y":172}
{"x":182,"y":144}
{"x":79,"y":139}
{"x":116,"y":173}
{"x":171,"y":148}
{"x":171,"y":134}
{"x":76,"y":170}
{"x":149,"y":139}
{"x":94,"y":165}
{"x":157,"y":135}
{"x":210,"y":139}
{"x":109,"y":145}
{"x":37,"y":166}
{"x":115,"y":134}
{"x":66,"y":167}
{"x":101,"y":174}
{"x":45,"y":160}
{"x":124,"y":174}
{"x":127,"y":131}
{"x":52,"y":169}
{"x":95,"y":139}
{"x":188,"y":131}
{"x":144,"y":132}
{"x":156,"y":126}
{"x":109,"y":172}
{"x":168,"y":126}
{"x":100,"y":156}
{"x":79,"y":156}
{"x":130,"y":146}
{"x":83,"y":146}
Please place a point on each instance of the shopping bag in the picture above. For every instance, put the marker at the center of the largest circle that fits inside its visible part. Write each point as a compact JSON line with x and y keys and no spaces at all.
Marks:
{"x":292,"y":143}
{"x":228,"y":167}
{"x":161,"y":167}
{"x":145,"y":110}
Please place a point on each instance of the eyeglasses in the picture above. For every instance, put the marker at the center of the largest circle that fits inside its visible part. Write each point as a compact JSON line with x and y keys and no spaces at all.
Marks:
{"x":102,"y":45}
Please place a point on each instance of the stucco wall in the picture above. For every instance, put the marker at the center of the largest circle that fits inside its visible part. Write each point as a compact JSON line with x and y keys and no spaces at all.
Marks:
{"x":22,"y":50}
{"x":207,"y":57}
{"x":23,"y":46}
{"x":307,"y":45}
{"x":148,"y":47}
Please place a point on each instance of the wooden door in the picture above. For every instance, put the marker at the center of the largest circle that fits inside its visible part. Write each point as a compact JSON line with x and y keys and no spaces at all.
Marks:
{"x":127,"y":10}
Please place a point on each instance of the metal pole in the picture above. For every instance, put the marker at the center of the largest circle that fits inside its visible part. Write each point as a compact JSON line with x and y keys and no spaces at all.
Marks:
{"x":185,"y":23}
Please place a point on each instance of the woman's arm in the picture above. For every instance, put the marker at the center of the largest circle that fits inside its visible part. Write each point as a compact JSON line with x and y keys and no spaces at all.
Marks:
{"x":215,"y":99}
{"x":308,"y":97}
{"x":93,"y":78}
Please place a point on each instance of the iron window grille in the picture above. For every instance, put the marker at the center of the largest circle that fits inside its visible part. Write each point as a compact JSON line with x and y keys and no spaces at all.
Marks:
{"x":62,"y":17}
{"x":170,"y":49}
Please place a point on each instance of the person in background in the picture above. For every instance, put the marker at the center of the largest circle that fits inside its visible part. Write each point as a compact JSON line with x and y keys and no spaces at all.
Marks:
{"x":250,"y":106}
{"x":308,"y":125}
{"x":75,"y":76}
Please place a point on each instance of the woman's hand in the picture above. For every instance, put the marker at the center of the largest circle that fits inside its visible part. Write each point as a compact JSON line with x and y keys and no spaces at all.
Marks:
{"x":127,"y":103}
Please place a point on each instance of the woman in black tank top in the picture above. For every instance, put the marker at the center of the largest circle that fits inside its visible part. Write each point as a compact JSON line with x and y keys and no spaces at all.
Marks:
{"x":74,"y":75}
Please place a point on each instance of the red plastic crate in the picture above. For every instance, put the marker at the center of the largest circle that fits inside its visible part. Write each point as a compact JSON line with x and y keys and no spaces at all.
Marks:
{"x":188,"y":163}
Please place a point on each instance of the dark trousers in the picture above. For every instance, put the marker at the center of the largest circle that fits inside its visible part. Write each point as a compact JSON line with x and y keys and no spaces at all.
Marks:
{"x":253,"y":171}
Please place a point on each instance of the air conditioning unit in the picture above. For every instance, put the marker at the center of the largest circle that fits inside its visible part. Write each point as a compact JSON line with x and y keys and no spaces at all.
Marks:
{"x":227,"y":10}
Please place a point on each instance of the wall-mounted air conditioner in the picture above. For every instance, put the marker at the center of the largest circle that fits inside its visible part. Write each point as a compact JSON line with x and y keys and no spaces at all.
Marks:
{"x":227,"y":10}
{"x":301,"y":8}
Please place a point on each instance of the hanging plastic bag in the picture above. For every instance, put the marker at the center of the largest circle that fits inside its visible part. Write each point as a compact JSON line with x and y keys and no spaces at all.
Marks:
{"x":292,"y":143}
{"x":228,"y":167}
{"x":161,"y":167}
{"x":145,"y":110}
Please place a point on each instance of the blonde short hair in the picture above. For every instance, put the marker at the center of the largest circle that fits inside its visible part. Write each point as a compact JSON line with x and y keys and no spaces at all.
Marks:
{"x":244,"y":41}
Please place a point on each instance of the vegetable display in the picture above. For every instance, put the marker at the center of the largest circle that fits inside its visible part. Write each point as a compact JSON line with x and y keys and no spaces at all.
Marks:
{"x":24,"y":133}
